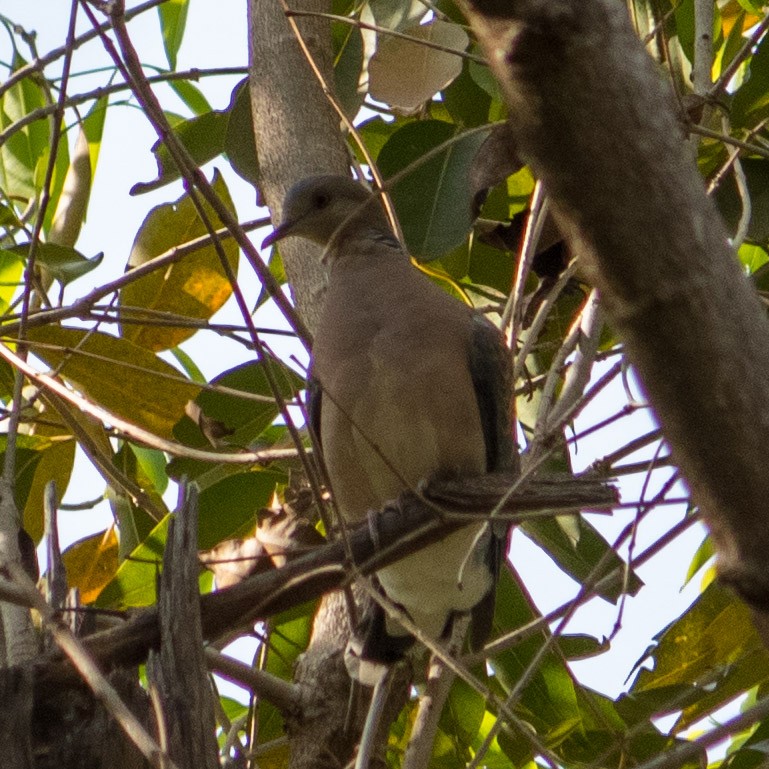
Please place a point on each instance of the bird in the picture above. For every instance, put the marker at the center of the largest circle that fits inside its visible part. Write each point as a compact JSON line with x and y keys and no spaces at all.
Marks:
{"x":407,"y":384}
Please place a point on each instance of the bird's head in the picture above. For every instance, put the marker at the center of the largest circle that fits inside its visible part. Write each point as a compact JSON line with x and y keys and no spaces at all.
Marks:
{"x":316,"y":207}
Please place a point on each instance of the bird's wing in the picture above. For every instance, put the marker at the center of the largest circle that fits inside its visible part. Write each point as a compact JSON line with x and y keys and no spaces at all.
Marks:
{"x":491,"y":372}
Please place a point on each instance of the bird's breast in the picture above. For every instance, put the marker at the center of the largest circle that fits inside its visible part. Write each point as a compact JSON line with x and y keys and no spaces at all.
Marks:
{"x":397,"y":408}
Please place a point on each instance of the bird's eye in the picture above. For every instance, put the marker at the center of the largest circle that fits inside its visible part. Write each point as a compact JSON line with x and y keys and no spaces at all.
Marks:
{"x":321,"y":200}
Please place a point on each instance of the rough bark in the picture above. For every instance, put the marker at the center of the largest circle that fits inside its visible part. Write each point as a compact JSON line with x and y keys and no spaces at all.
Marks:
{"x":297,"y":130}
{"x":72,"y":730}
{"x":179,"y":670}
{"x":594,"y":120}
{"x":16,"y":718}
{"x":297,"y":134}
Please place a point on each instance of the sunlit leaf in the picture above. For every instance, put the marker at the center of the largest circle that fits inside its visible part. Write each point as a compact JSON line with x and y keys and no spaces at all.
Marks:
{"x":135,"y":583}
{"x":91,"y":563}
{"x":121,"y":376}
{"x":11,"y":268}
{"x":193,"y":287}
{"x":714,"y":647}
{"x":704,"y":555}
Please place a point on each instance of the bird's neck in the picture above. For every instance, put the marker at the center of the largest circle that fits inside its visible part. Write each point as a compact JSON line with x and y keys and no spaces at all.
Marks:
{"x":356,"y":244}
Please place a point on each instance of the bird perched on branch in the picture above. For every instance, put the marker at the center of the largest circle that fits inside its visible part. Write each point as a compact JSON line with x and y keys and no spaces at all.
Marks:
{"x":407,"y":384}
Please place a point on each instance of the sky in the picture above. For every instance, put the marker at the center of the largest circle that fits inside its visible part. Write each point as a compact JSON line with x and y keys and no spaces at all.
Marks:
{"x":216,"y":37}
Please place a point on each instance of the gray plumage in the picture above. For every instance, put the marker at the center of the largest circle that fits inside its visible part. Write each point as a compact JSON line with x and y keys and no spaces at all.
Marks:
{"x":408,"y":384}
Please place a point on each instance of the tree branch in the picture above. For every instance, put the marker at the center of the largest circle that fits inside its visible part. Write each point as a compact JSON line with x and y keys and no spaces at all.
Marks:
{"x":401,"y":529}
{"x":592,"y":118}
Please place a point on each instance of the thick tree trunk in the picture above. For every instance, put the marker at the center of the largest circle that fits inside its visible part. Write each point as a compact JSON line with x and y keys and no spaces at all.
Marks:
{"x":592,"y":117}
{"x":296,"y":129}
{"x":298,"y":134}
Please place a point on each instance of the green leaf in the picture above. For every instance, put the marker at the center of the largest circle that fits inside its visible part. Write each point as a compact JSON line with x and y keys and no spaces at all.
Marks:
{"x":482,"y":76}
{"x":228,"y":508}
{"x":751,"y":754}
{"x":467,"y":103}
{"x":29,"y":452}
{"x":153,"y":465}
{"x":55,"y":464}
{"x":581,"y":647}
{"x":194,"y":287}
{"x":135,"y":583}
{"x":684,"y":17}
{"x":191,"y":95}
{"x":729,"y":202}
{"x":233,"y":709}
{"x":752,"y":256}
{"x":751,"y":101}
{"x":132,"y":521}
{"x":289,"y":634}
{"x":173,"y":19}
{"x":579,"y":559}
{"x":239,"y":139}
{"x":756,"y":8}
{"x":278,"y":271}
{"x":733,"y":42}
{"x":549,"y":702}
{"x":7,"y":376}
{"x":714,"y":647}
{"x":459,"y":725}
{"x":63,"y":263}
{"x":432,"y":199}
{"x":244,"y":419}
{"x":202,"y":137}
{"x":375,"y":134}
{"x":189,"y":365}
{"x":348,"y":64}
{"x":704,"y":554}
{"x":126,"y":379}
{"x":22,"y":152}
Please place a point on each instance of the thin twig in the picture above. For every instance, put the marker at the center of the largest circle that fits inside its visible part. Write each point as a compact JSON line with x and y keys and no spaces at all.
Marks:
{"x":389,"y":33}
{"x":136,"y":433}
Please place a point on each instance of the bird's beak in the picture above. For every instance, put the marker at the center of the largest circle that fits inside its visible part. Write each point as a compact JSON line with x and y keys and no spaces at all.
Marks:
{"x":280,"y":232}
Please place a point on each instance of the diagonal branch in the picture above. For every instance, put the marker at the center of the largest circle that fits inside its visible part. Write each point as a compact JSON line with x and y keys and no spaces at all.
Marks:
{"x":401,"y":529}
